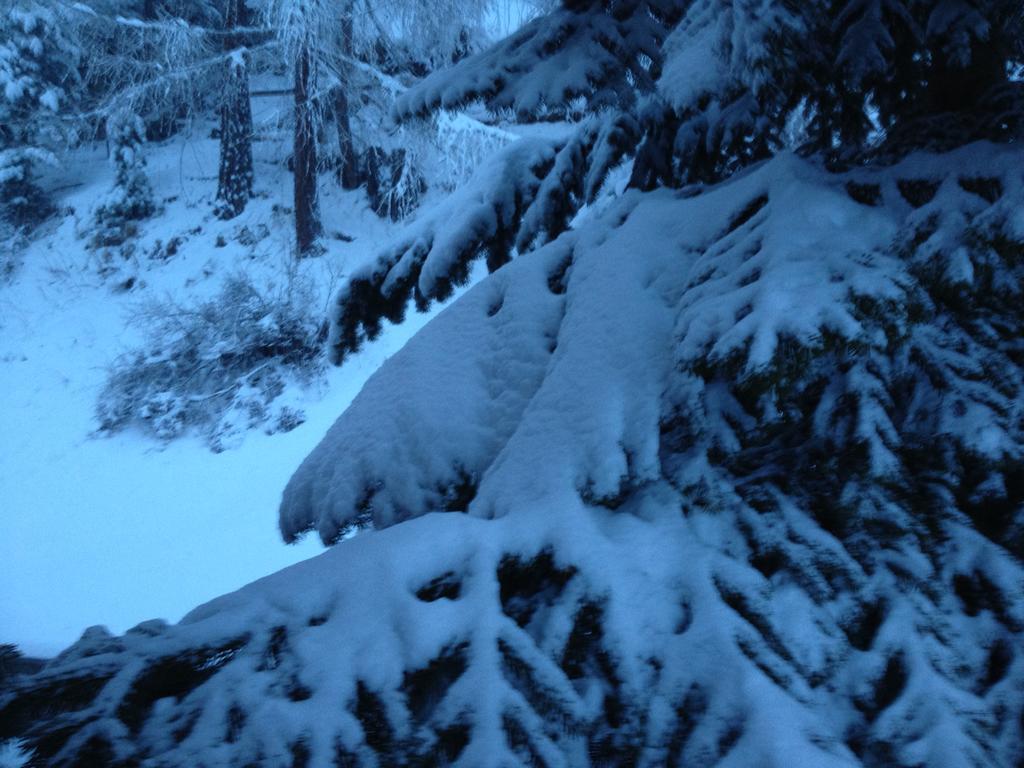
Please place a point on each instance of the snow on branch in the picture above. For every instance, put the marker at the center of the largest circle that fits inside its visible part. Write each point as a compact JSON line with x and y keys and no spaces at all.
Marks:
{"x":437,"y":251}
{"x":160,"y":26}
{"x":590,"y":53}
{"x":524,"y":196}
{"x":739,"y":283}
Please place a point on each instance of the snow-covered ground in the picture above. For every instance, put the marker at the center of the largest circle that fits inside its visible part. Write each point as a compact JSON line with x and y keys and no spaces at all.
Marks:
{"x":113,"y":530}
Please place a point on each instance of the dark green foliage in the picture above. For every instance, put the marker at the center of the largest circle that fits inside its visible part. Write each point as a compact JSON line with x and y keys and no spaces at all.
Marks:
{"x":458,"y":495}
{"x":526,"y":585}
{"x":24,"y":202}
{"x":30,"y":703}
{"x":236,"y":722}
{"x":866,"y":194}
{"x":372,"y":715}
{"x":175,"y":676}
{"x":450,"y":744}
{"x":580,"y":169}
{"x":300,"y":755}
{"x":688,"y":715}
{"x":862,"y":626}
{"x":584,"y":644}
{"x":364,"y":304}
{"x":918,"y":192}
{"x":989,"y":189}
{"x":601,"y":53}
{"x":424,"y":688}
{"x":38,"y":76}
{"x":13,"y":663}
{"x":747,"y":213}
{"x":869,"y":80}
{"x":447,"y":585}
{"x":524,"y":678}
{"x":276,"y":645}
{"x":887,"y":687}
{"x":1000,"y":656}
{"x":519,"y":741}
{"x":97,"y":751}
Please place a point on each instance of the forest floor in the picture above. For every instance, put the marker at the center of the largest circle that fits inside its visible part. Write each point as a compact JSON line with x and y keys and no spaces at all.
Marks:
{"x":114,"y":529}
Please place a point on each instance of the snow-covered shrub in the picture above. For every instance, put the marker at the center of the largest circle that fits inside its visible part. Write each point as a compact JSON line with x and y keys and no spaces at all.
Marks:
{"x":216,"y":368}
{"x":131,"y":200}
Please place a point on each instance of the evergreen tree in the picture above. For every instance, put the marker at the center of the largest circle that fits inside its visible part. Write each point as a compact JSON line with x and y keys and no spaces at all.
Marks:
{"x":131,"y":199}
{"x":37,"y":63}
{"x":739,"y":450}
{"x":731,"y":79}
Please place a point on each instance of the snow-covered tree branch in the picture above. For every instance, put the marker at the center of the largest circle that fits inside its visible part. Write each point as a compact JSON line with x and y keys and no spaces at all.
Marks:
{"x":722,"y":462}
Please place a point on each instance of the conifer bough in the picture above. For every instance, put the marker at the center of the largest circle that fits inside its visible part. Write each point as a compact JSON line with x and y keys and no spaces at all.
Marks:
{"x":722,"y":465}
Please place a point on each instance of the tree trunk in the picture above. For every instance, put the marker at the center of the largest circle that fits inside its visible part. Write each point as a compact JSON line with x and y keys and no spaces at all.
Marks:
{"x":348,"y":168}
{"x":234,"y":184}
{"x":307,"y":215}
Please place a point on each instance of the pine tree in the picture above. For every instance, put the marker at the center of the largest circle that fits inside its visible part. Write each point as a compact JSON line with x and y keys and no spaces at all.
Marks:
{"x":37,"y":62}
{"x":234,"y":184}
{"x":736,"y":454}
{"x":928,"y":69}
{"x":131,"y":199}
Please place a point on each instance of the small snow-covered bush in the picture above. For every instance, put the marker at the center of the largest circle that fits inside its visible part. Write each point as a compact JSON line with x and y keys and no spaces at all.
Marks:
{"x":131,"y":199}
{"x":215,"y":369}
